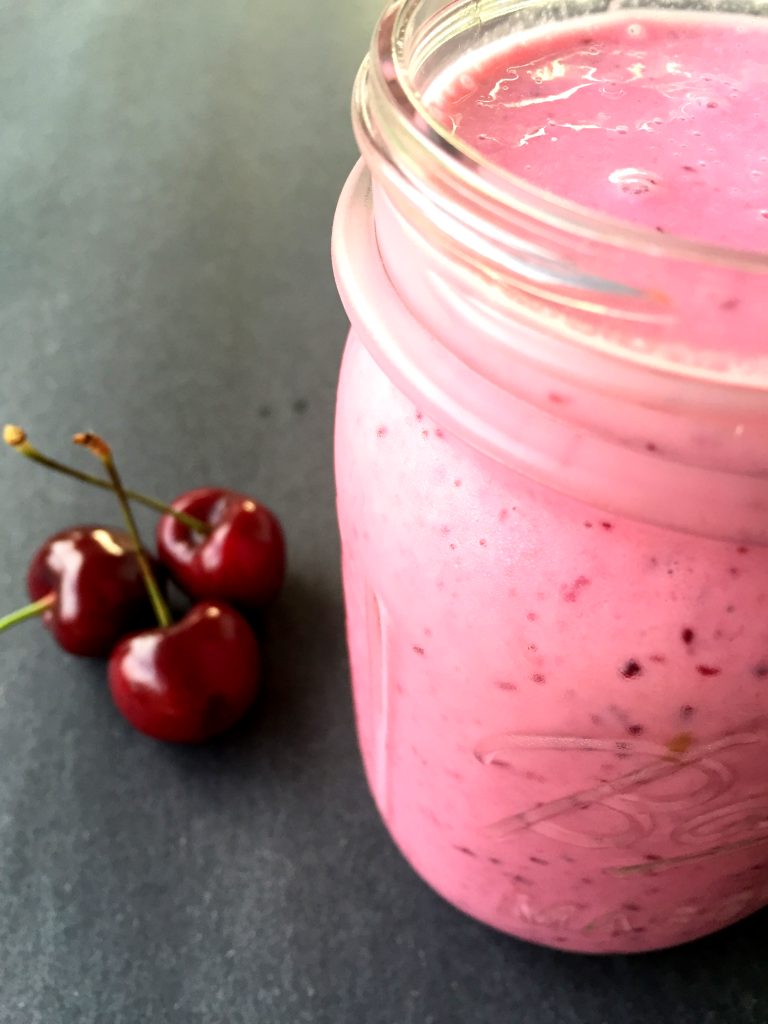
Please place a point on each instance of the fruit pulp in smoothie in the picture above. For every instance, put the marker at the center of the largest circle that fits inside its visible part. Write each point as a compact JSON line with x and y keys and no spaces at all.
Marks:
{"x":562,"y":712}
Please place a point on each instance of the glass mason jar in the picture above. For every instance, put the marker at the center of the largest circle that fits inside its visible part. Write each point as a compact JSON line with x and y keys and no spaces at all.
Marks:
{"x":552,"y":473}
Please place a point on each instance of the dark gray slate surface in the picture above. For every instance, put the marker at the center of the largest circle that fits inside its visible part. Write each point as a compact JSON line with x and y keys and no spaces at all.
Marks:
{"x":168,"y":173}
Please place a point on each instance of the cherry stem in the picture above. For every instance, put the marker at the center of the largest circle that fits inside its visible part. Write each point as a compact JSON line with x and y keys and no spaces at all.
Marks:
{"x":29,"y":611}
{"x":101,"y":450}
{"x":16,"y":438}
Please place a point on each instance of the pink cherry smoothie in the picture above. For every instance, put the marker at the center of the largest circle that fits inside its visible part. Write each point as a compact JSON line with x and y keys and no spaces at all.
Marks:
{"x":563,"y":713}
{"x":661,"y":120}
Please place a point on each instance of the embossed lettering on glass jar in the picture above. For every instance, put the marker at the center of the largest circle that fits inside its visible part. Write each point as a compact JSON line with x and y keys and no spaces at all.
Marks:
{"x":552,"y":474}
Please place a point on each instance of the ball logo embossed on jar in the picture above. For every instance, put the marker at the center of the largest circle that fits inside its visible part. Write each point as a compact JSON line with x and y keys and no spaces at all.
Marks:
{"x":704,"y":777}
{"x":745,"y":819}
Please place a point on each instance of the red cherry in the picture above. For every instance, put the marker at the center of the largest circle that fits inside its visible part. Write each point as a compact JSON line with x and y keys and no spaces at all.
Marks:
{"x":241,"y":561}
{"x":94,"y":578}
{"x":187,"y":682}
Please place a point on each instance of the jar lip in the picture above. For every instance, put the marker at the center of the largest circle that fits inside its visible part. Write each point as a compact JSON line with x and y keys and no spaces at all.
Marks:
{"x":508,"y":191}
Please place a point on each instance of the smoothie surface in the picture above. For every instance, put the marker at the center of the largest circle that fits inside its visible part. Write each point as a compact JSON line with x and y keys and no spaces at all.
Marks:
{"x":654,"y":118}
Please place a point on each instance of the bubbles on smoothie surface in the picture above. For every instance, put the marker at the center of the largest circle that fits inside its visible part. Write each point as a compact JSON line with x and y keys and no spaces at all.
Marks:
{"x":635,"y":182}
{"x":656,"y":119}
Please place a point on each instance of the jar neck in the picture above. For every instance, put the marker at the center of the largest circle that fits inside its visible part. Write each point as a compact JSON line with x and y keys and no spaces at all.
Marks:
{"x":563,"y":414}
